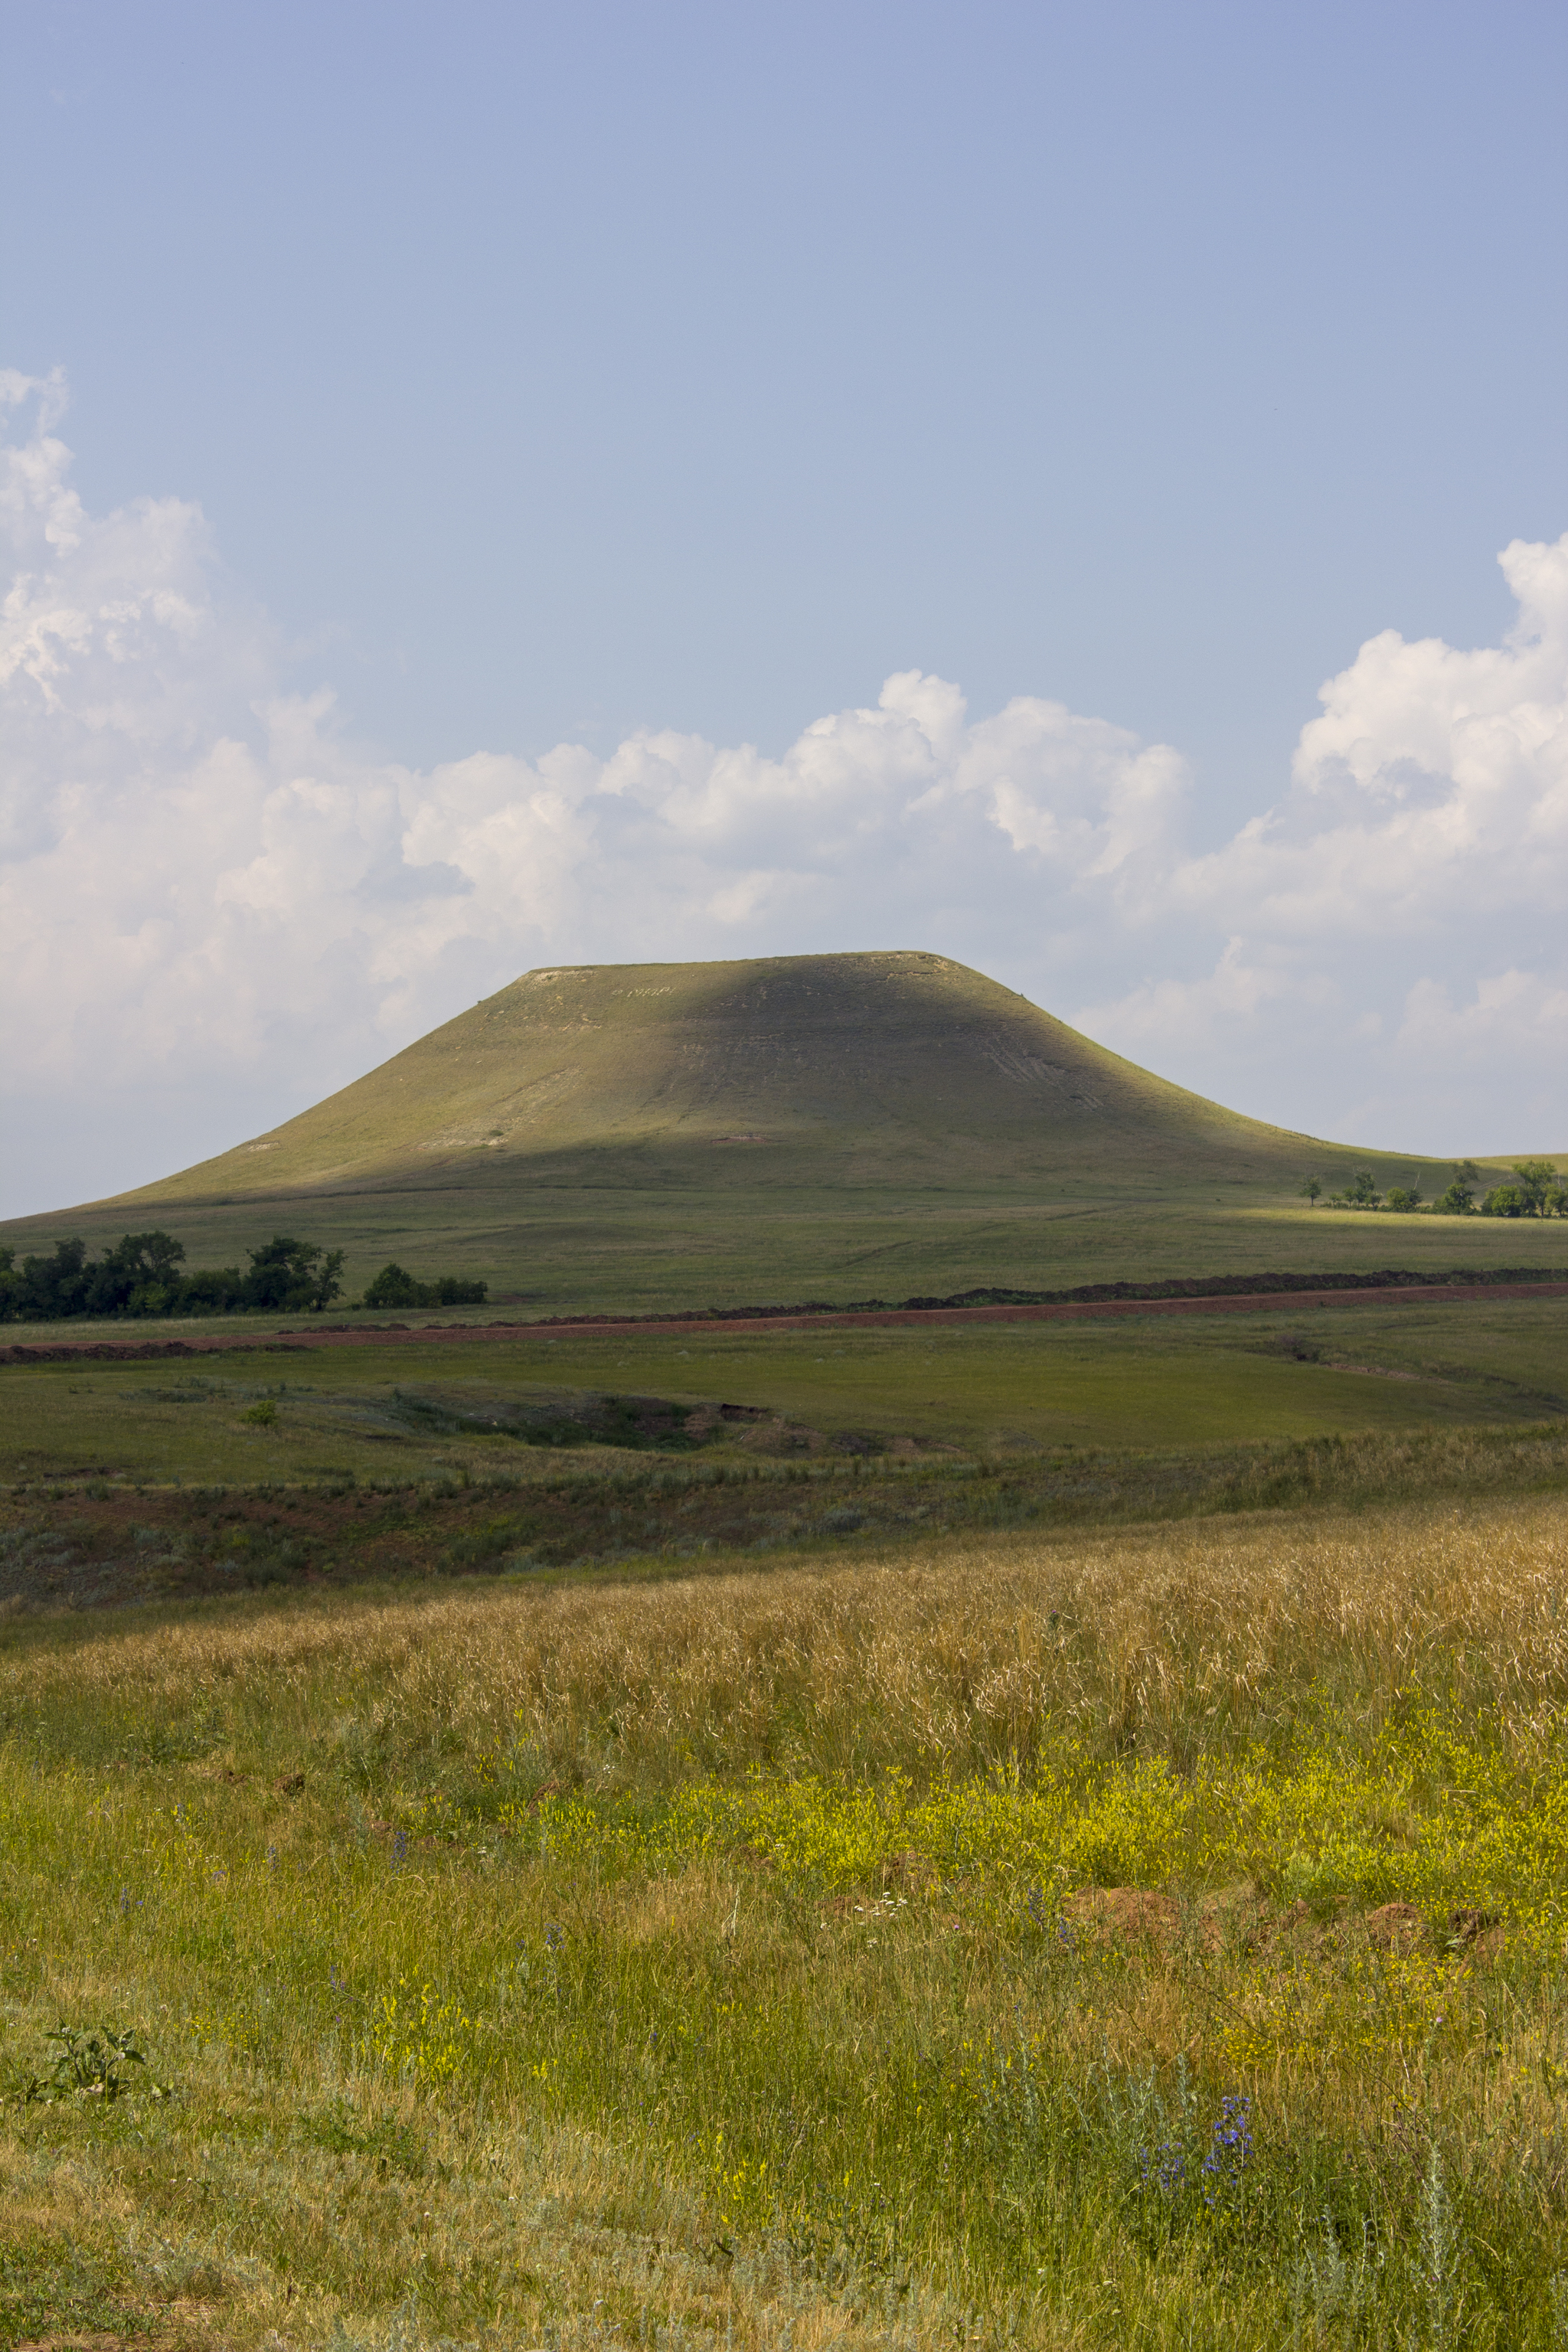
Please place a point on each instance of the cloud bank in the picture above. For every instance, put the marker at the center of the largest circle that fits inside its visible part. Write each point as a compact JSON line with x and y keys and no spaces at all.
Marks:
{"x":215,"y":905}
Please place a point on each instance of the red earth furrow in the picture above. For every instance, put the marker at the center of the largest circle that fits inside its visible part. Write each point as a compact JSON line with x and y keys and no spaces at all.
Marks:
{"x":707,"y":1327}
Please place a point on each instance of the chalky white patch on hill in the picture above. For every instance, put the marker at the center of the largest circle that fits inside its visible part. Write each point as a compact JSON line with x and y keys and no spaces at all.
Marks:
{"x":215,"y":906}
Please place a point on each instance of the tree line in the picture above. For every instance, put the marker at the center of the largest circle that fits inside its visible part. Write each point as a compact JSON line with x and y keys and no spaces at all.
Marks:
{"x":1537,"y":1191}
{"x":144,"y":1274}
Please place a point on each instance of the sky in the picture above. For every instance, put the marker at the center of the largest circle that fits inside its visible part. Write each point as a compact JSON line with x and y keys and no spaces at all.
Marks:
{"x":1082,"y":489}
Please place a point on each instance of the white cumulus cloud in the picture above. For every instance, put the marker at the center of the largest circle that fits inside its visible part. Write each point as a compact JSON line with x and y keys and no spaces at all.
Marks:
{"x":215,"y":905}
{"x":1393,"y":925}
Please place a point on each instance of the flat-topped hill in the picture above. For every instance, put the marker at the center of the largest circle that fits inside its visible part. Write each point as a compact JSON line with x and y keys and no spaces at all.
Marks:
{"x":624,"y":1136}
{"x":841,"y":1068}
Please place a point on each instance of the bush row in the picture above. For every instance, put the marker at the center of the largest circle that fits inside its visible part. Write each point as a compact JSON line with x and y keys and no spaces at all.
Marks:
{"x":1537,"y":1191}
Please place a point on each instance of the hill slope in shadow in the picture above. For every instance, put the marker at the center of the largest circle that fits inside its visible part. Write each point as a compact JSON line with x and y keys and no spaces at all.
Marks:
{"x":845,"y":1070}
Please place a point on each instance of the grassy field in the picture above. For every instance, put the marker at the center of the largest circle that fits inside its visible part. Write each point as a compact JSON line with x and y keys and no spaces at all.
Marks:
{"x":579,"y":1248}
{"x":1152,"y":1382}
{"x":1051,"y":1834}
{"x":1154,"y":1938}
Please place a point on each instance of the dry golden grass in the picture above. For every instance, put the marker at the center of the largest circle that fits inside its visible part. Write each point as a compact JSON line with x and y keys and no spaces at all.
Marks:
{"x":1161,"y":1641}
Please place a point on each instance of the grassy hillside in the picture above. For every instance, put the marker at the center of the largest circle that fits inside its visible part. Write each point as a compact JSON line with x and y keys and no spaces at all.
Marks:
{"x":855,"y":1070}
{"x":839,"y":1125}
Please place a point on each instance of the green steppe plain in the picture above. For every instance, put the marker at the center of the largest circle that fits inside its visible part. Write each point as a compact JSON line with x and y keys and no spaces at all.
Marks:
{"x":1145,"y":1383}
{"x":576,"y":1250}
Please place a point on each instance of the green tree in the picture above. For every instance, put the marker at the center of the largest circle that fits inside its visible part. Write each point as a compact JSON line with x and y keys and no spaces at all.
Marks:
{"x":1504,"y":1201}
{"x":1459,"y":1200}
{"x":213,"y":1291}
{"x":1310,"y":1192}
{"x":55,"y":1288}
{"x":1405,"y":1200}
{"x":140,"y":1276}
{"x":393,"y":1287}
{"x":328,"y":1286}
{"x":286,"y":1275}
{"x":1536,"y":1180}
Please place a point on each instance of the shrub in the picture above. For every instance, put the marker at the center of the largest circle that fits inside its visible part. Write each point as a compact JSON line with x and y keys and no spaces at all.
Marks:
{"x":394,"y":1287}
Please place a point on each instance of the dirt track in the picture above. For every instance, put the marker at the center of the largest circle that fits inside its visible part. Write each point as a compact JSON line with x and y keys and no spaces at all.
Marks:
{"x":287,"y":1339}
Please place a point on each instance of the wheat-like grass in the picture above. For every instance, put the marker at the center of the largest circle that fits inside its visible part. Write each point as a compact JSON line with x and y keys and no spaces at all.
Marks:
{"x":1172,"y":1642}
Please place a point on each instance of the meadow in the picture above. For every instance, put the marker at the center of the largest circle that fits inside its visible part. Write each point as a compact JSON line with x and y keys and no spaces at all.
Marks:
{"x":578,"y":1246}
{"x":1047,"y":1833}
{"x":1152,"y":1936}
{"x":270,"y":1412}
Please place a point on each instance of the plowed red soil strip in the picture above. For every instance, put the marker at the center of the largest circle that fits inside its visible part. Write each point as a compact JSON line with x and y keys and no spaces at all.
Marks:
{"x":708,"y":1327}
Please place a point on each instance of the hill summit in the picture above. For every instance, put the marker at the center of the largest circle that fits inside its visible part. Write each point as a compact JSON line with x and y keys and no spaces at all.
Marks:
{"x":898,"y":1068}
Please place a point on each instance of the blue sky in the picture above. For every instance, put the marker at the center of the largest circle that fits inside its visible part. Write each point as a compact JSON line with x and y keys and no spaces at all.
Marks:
{"x":562,"y":375}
